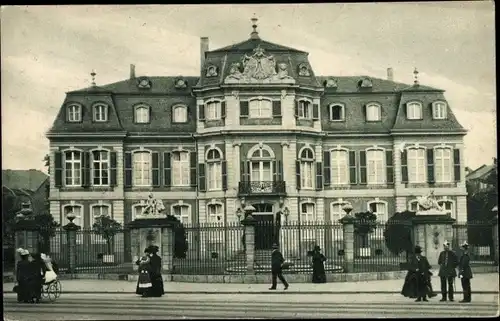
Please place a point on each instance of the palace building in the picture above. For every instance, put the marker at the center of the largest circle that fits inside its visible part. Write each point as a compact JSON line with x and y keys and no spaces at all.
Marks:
{"x":256,"y":126}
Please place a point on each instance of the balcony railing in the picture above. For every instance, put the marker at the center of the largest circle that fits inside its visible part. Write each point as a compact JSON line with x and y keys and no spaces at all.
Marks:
{"x":262,"y":188}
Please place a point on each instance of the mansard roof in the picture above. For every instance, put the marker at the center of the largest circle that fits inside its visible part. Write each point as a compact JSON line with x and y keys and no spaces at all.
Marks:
{"x":250,"y":44}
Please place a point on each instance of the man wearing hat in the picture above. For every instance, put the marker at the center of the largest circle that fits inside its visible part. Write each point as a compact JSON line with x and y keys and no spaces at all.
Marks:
{"x":465,"y":273}
{"x":448,"y":262}
{"x":277,"y":261}
{"x":420,"y":265}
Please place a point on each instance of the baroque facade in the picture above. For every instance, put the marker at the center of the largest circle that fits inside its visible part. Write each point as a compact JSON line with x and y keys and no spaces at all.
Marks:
{"x":257,"y":126}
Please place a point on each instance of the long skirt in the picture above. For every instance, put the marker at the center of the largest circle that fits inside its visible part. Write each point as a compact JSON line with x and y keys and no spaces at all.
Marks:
{"x":27,"y":290}
{"x":410,"y":286}
{"x":319,"y":275}
{"x":157,"y":286}
{"x":143,"y":283}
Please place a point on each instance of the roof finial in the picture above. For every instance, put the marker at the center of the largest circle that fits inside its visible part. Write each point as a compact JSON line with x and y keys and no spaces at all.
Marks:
{"x":415,"y":76}
{"x":254,"y":34}
{"x":93,"y":74}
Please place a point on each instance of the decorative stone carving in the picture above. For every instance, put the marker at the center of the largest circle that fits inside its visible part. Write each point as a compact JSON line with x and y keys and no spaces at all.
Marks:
{"x":143,"y":83}
{"x":212,"y":71}
{"x":236,"y":94}
{"x":153,"y":207}
{"x":331,"y":83}
{"x":180,"y":83}
{"x":283,"y":94}
{"x":258,"y":68}
{"x":304,"y":70}
{"x":429,"y":202}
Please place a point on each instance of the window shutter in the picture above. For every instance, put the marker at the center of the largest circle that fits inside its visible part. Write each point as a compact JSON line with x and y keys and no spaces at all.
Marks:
{"x":430,"y":166}
{"x":296,"y":109}
{"x":194,"y":165}
{"x":224,"y":175}
{"x":297,"y":174}
{"x":276,"y":108}
{"x":362,"y":167}
{"x":128,"y":169}
{"x":326,"y":168}
{"x":243,"y":108}
{"x":223,"y":109}
{"x":404,"y":167}
{"x":319,"y":176}
{"x":201,"y":112}
{"x":352,"y":168}
{"x":275,"y":171}
{"x":456,"y":164}
{"x":315,"y":111}
{"x":167,"y":169}
{"x":155,"y":161}
{"x":112,"y":158}
{"x":86,"y":169}
{"x":389,"y":167}
{"x":58,"y":170}
{"x":202,"y":184}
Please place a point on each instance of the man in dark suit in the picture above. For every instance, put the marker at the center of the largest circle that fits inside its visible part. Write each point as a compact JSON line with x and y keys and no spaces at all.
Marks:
{"x":448,"y":262}
{"x":277,"y":261}
{"x":465,"y":273}
{"x":420,"y":265}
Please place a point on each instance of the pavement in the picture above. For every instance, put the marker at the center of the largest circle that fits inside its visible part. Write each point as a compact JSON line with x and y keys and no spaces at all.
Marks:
{"x":487,"y":283}
{"x":227,"y":306}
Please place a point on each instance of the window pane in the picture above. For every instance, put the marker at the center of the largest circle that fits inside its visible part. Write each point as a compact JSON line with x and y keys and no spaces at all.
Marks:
{"x":339,"y":167}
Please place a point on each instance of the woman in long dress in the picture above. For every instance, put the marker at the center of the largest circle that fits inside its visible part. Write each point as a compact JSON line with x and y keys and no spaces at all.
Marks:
{"x":155,"y":274}
{"x":26,"y":278}
{"x":144,"y":282}
{"x":318,"y":266}
{"x":40,"y":269}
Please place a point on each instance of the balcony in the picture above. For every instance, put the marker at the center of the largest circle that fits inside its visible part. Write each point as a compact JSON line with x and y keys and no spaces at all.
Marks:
{"x":262,"y":188}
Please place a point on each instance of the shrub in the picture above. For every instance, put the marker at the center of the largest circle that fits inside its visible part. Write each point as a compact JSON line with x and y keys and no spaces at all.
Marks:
{"x":365,"y":223}
{"x":180,"y":238}
{"x":107,"y":227}
{"x":398,"y":233}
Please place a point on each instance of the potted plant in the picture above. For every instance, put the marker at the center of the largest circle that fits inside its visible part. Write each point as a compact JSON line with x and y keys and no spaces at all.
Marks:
{"x":107,"y":228}
{"x":364,"y":225}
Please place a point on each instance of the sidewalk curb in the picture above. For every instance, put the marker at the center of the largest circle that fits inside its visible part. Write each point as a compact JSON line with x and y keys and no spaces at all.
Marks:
{"x":279,"y":291}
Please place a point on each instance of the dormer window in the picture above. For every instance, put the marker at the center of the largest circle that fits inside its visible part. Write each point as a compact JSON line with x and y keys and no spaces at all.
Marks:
{"x":365,"y":83}
{"x":180,"y":83}
{"x":337,"y":112}
{"x":330,"y":83}
{"x":179,"y":114}
{"x":143,"y":83}
{"x":414,"y":110}
{"x":100,"y":113}
{"x":74,"y":113}
{"x":373,"y":112}
{"x":439,"y":110}
{"x":141,"y":114}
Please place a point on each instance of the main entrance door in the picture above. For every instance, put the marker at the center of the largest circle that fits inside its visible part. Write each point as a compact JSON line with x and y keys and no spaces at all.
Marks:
{"x":264,"y":229}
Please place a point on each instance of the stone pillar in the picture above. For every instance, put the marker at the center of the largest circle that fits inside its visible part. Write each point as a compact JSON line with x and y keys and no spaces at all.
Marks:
{"x":135,"y":247}
{"x":495,"y":240}
{"x":249,"y":224}
{"x":26,"y":233}
{"x":71,"y":229}
{"x":167,"y":248}
{"x":348,"y":231}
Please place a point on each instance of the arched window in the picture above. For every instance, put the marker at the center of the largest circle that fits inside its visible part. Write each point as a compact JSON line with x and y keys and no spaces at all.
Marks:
{"x":214,"y":169}
{"x":142,"y":169}
{"x":307,"y":213}
{"x":73,"y":168}
{"x":336,"y":211}
{"x":414,"y":110}
{"x":100,"y":168}
{"x":141,"y":114}
{"x":96,"y":212}
{"x":337,"y":112}
{"x":260,"y":108}
{"x":100,"y":112}
{"x":373,"y":112}
{"x":379,"y":208}
{"x":443,"y":164}
{"x":439,"y":110}
{"x":375,"y":165}
{"x":77,"y":210}
{"x":340,"y":167}
{"x":179,"y":113}
{"x":182,"y":212}
{"x":180,"y":168}
{"x":306,"y":168}
{"x":215,"y":213}
{"x":304,"y":109}
{"x":213,"y":110}
{"x":74,"y":113}
{"x":261,"y":164}
{"x":417,"y":168}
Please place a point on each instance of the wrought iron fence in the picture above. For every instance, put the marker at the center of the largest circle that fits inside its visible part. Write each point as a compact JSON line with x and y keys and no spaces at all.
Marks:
{"x":479,"y":236}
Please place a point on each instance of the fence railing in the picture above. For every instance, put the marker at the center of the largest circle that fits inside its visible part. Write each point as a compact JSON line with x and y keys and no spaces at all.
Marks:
{"x":479,"y":236}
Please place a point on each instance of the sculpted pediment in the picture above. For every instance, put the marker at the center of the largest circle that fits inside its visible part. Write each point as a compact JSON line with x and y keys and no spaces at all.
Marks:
{"x":258,"y":68}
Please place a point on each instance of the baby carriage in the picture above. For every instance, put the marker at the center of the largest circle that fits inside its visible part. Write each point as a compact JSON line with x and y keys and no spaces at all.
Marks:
{"x":51,"y":287}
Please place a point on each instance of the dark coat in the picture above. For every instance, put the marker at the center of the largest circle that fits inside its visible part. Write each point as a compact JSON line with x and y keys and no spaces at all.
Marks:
{"x":28,"y":281}
{"x":277,"y":260}
{"x":448,"y":269}
{"x":318,"y":266}
{"x":421,"y":266}
{"x":156,"y":278}
{"x":464,"y":268}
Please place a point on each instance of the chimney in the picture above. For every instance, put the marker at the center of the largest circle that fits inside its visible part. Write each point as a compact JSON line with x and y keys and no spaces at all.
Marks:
{"x":203,"y":49}
{"x":390,"y":74}
{"x":132,"y":71}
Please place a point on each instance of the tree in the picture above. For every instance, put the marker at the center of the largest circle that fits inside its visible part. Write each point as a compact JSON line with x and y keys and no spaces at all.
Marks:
{"x":47,"y":230}
{"x":365,"y":223}
{"x":398,"y":233}
{"x":180,"y":239}
{"x":11,"y":205}
{"x":46,"y":163}
{"x":107,"y":227}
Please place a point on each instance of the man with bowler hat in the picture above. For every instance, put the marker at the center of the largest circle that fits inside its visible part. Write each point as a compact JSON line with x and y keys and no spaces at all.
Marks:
{"x":465,"y":273}
{"x":448,"y":262}
{"x":277,"y":261}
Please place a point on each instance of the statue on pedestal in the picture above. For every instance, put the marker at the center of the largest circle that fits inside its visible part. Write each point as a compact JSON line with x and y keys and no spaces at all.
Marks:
{"x":429,"y":202}
{"x":153,"y":207}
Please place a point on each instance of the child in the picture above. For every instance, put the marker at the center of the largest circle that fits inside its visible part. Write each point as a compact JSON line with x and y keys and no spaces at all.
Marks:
{"x":144,"y":282}
{"x":50,"y":274}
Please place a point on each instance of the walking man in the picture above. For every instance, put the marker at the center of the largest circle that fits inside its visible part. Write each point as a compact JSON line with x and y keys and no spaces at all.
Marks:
{"x":465,"y":273}
{"x":448,"y":262}
{"x":277,"y":261}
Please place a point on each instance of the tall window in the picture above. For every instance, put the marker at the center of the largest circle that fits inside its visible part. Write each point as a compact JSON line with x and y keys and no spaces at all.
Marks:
{"x":307,"y":212}
{"x":260,"y":108}
{"x":306,"y":168}
{"x":375,"y":162}
{"x":214,"y":170}
{"x":447,"y":206}
{"x":373,"y":112}
{"x":100,"y":113}
{"x":416,"y":165}
{"x":98,"y":211}
{"x":414,"y":110}
{"x":439,"y":110}
{"x":336,"y":112}
{"x":182,"y":212}
{"x":73,"y":168}
{"x":340,"y":167}
{"x":213,"y":110}
{"x":142,"y":168}
{"x":215,"y":213}
{"x":142,"y":114}
{"x":180,"y":168}
{"x":443,"y":165}
{"x":74,"y":113}
{"x":336,"y":212}
{"x":261,"y":166}
{"x":100,"y":168}
{"x":305,"y":110}
{"x":180,"y":114}
{"x":379,"y":209}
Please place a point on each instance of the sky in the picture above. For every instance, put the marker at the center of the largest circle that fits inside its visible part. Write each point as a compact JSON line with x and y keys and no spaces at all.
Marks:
{"x":47,"y":51}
